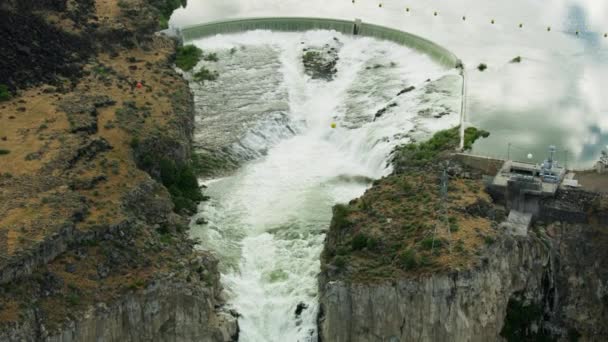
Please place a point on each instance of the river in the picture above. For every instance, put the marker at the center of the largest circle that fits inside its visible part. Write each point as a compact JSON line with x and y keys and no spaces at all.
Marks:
{"x":266,"y":222}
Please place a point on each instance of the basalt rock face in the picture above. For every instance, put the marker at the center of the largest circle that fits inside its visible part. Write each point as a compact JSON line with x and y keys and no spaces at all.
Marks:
{"x":38,"y":52}
{"x":581,"y":299}
{"x":164,"y":311}
{"x":547,"y":286}
{"x":459,"y":306}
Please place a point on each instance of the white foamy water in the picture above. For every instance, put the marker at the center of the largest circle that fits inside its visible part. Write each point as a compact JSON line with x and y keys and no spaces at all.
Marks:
{"x":266,"y":222}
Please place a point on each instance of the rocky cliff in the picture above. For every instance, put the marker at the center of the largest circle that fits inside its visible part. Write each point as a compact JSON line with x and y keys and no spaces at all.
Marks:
{"x":406,"y":263}
{"x":468,"y":305}
{"x":97,"y":181}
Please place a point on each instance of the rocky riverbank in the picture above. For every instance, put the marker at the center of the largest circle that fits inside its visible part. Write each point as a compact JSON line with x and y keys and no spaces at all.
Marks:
{"x":404,"y":263}
{"x":96,"y":180}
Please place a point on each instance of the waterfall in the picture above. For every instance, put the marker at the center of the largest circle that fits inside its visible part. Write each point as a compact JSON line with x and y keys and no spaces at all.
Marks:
{"x":266,"y":222}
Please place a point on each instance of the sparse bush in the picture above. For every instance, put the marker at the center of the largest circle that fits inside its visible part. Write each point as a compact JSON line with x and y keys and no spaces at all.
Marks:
{"x":166,"y":8}
{"x":211,"y":57}
{"x":340,"y":262}
{"x":429,"y":243}
{"x":365,"y":205}
{"x":340,"y":216}
{"x":372,"y":243}
{"x":182,"y":184}
{"x":134,"y":143}
{"x":205,"y":74}
{"x":73,"y":299}
{"x":179,"y":178}
{"x":342,"y":250}
{"x":422,"y":153}
{"x":406,"y":186}
{"x":359,"y":242}
{"x":187,"y":57}
{"x":454,"y":227}
{"x":5,"y":94}
{"x":408,"y":260}
{"x":3,"y":152}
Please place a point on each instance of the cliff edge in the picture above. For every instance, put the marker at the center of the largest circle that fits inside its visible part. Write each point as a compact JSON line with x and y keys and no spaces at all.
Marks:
{"x":422,"y":256}
{"x":96,"y":179}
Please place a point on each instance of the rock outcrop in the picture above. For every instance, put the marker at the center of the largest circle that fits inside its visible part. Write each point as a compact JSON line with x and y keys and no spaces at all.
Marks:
{"x":320,"y":62}
{"x":459,"y":306}
{"x":164,"y":311}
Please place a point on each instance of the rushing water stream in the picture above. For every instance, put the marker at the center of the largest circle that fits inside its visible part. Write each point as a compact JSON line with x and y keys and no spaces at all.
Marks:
{"x":266,"y":222}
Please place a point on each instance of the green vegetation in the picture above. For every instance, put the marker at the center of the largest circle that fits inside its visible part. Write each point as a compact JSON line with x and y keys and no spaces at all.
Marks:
{"x":73,"y":299}
{"x":482,"y":67}
{"x":430,"y":243}
{"x":181,"y":182}
{"x":209,"y":165}
{"x":3,"y":152}
{"x":5,"y":94}
{"x":187,"y":57}
{"x":359,"y":242}
{"x":340,"y":262}
{"x":211,"y":57}
{"x":408,"y":260}
{"x":447,"y":140}
{"x":179,"y":178}
{"x":340,"y":218}
{"x":205,"y":74}
{"x":397,"y":228}
{"x":166,"y":8}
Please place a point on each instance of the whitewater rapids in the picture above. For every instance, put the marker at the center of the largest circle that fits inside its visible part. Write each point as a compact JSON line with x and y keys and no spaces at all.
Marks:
{"x":266,"y":222}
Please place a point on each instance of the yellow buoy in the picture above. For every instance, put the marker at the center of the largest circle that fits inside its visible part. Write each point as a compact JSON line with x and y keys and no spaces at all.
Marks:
{"x":333,"y":125}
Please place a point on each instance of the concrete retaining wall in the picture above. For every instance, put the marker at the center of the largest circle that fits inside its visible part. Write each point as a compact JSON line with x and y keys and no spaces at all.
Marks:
{"x":438,"y":53}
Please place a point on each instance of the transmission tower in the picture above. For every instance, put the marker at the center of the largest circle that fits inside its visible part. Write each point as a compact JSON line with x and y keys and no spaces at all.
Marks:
{"x":443,"y":208}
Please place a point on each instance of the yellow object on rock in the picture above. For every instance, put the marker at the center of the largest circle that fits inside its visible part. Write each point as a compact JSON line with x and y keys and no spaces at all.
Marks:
{"x":333,"y":125}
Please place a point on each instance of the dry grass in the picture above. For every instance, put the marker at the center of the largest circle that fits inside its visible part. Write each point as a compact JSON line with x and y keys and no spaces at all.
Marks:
{"x":30,"y":123}
{"x":401,"y":215}
{"x":10,"y":311}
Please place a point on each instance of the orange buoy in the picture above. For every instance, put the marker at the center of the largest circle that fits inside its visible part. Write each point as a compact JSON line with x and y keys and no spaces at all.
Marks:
{"x":139,"y":85}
